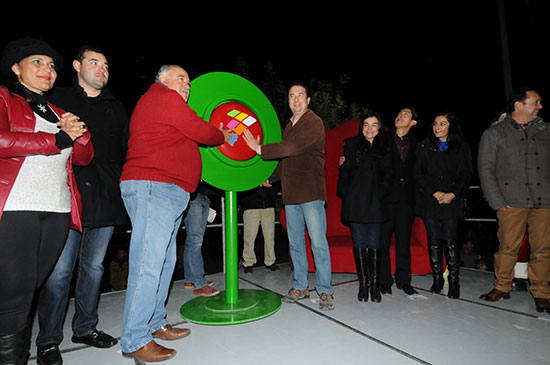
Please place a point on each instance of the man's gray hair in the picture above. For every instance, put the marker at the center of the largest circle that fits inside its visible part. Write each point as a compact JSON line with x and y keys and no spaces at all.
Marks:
{"x":163,"y":70}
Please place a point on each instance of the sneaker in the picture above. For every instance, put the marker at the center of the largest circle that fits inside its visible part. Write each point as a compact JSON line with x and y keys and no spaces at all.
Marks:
{"x":295,"y":295}
{"x":206,"y":291}
{"x":326,"y":302}
{"x":272,"y":267}
{"x":49,"y":355}
{"x":190,"y":285}
{"x":248,"y":269}
{"x":97,"y":339}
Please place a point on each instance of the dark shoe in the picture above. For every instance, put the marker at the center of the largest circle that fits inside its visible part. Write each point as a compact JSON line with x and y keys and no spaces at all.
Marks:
{"x":168,"y":332}
{"x":454,"y":290}
{"x":151,"y":352}
{"x":272,"y":267}
{"x":408,"y":289}
{"x":97,"y":339}
{"x":494,"y":295}
{"x":519,"y":284}
{"x":542,"y":305}
{"x":49,"y":355}
{"x":247,"y":269}
{"x":385,"y":289}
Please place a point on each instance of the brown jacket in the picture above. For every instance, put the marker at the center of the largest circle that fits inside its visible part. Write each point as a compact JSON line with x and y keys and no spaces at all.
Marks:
{"x":302,"y":154}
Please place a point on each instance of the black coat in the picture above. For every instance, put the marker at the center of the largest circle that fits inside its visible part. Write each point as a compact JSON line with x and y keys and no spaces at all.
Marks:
{"x":448,"y":171}
{"x":98,"y":183}
{"x":363,"y":182}
{"x":402,"y":189}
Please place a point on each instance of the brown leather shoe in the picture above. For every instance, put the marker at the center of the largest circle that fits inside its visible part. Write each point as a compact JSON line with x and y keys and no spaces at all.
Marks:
{"x":542,"y":304}
{"x":170,"y":333}
{"x":494,"y":295}
{"x":152,"y":352}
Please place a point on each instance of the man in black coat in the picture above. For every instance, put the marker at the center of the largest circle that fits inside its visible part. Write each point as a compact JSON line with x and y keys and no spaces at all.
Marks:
{"x":401,"y":205}
{"x":102,"y":209}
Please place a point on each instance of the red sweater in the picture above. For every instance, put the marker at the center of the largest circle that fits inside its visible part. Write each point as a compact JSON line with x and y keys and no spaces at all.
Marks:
{"x":164,"y":137}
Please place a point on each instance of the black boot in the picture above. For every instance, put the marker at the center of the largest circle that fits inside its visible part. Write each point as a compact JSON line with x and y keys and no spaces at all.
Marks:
{"x":452,"y":255}
{"x":14,"y":349}
{"x":436,"y":263}
{"x":361,"y":264}
{"x":374,"y":274}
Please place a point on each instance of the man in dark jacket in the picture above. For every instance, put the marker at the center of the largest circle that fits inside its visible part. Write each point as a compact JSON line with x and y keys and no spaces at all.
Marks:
{"x":102,"y":210}
{"x":401,"y":205}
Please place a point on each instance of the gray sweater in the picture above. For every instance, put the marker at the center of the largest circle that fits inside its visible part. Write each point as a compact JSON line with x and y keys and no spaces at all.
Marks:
{"x":514,"y":164}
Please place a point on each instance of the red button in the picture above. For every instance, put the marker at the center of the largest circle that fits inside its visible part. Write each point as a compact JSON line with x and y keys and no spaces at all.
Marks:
{"x":238,"y":117}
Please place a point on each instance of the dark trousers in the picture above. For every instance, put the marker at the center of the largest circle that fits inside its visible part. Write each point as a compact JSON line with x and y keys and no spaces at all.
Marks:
{"x":400,"y":224}
{"x":30,"y":243}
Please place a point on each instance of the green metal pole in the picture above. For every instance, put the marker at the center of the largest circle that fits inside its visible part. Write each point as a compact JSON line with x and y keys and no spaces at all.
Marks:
{"x":231,"y":248}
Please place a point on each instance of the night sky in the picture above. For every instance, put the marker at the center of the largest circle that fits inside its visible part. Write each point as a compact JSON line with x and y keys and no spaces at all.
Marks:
{"x":430,"y":55}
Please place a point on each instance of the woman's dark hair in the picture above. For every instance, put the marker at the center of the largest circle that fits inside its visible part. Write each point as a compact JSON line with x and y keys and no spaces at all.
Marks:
{"x":455,"y":132}
{"x":379,"y":144}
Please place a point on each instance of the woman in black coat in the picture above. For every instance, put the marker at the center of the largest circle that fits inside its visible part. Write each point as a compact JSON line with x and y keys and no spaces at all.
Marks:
{"x":364,"y":174}
{"x":442,"y":171}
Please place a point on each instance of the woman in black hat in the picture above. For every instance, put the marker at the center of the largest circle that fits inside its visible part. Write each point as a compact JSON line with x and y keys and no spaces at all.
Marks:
{"x":38,"y":196}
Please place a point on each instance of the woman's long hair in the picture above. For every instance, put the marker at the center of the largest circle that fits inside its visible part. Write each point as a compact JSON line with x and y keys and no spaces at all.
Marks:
{"x":455,"y":136}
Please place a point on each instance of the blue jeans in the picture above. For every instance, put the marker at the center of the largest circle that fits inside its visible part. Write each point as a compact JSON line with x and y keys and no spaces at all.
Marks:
{"x":89,"y":247}
{"x":155,"y":210}
{"x":443,"y":229}
{"x":310,"y":214}
{"x":366,"y":235}
{"x":195,"y":225}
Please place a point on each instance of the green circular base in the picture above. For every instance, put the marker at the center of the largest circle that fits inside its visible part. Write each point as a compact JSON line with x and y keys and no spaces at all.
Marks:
{"x":251,"y":305}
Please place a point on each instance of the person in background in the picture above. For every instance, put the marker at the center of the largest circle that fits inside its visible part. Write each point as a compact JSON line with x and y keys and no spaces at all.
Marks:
{"x":442,"y":172}
{"x":196,"y":220}
{"x":258,"y":207}
{"x":118,"y":269}
{"x":363,"y":184}
{"x":39,"y":198}
{"x":102,"y":210}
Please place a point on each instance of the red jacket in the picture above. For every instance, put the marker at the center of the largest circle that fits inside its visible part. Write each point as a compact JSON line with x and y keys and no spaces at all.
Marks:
{"x":164,"y":137}
{"x":18,"y":139}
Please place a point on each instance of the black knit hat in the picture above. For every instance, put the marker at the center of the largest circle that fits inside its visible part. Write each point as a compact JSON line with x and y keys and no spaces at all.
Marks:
{"x":20,"y":48}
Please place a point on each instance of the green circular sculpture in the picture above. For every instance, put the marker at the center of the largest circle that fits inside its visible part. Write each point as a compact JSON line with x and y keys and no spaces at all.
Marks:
{"x":221,"y":97}
{"x":228,"y":99}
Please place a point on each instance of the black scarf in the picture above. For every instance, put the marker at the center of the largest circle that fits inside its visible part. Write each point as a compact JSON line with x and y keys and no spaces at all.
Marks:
{"x":37,"y":102}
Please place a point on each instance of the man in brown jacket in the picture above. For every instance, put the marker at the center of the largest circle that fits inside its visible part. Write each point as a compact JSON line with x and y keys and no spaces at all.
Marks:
{"x":302,"y":175}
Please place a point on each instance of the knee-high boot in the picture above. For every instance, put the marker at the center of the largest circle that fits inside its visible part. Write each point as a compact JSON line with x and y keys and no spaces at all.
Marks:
{"x":14,"y":348}
{"x":435,"y":252}
{"x":361,"y":264}
{"x":452,"y":255}
{"x":374,"y":274}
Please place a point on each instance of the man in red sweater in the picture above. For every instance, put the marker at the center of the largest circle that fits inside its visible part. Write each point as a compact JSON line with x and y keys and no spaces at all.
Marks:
{"x":163,"y":166}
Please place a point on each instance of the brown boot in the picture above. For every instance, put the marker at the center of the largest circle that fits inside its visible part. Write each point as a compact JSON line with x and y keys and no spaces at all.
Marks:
{"x":168,"y":332}
{"x":495,"y":295}
{"x":152,"y":352}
